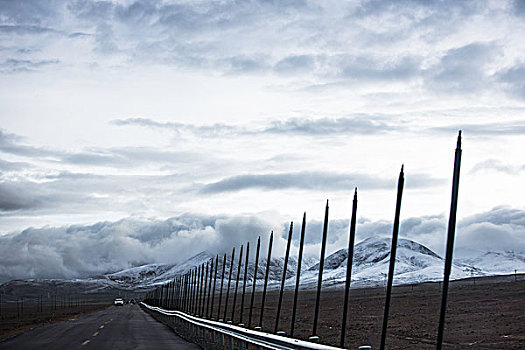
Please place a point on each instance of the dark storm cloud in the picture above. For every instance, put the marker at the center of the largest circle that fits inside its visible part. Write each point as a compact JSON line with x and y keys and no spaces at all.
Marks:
{"x":314,"y":181}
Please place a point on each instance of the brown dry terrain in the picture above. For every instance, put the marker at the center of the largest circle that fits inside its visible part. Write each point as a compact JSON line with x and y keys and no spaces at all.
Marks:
{"x":14,"y":321}
{"x":485,"y":313}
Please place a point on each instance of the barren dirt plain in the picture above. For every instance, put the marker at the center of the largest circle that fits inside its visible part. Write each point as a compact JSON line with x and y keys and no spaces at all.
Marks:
{"x":482,"y":313}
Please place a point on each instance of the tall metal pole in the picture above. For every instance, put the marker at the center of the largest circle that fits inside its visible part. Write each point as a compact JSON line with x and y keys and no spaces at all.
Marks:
{"x":244,"y":280}
{"x":298,"y":275}
{"x":229,"y":282}
{"x":393,"y":250}
{"x":188,"y":293}
{"x":314,"y":336}
{"x":205,"y":290}
{"x":222,"y":283}
{"x":194,"y":296}
{"x":450,"y":242}
{"x":199,"y":289}
{"x":209,"y":291}
{"x":285,"y":267}
{"x":214,"y":285}
{"x":349,"y":260}
{"x":185,"y":296}
{"x":256,"y":266}
{"x":237,"y":284}
{"x":268,"y":261}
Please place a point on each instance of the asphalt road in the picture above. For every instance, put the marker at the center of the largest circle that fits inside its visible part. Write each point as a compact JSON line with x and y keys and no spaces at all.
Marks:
{"x":117,"y":327}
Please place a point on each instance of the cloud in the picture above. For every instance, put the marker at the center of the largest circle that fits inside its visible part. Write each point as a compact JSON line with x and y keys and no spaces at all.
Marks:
{"x":85,"y":250}
{"x":11,"y":143}
{"x":216,"y":129}
{"x":31,"y":196}
{"x":6,"y":166}
{"x":295,"y":64}
{"x":518,"y":7}
{"x":462,"y":69}
{"x":499,"y":229}
{"x":393,"y":42}
{"x":496,"y":165}
{"x":308,"y":180}
{"x":365,"y":68}
{"x":12,"y":65}
{"x":116,"y":157}
{"x":362,"y":125}
{"x":80,"y":251}
{"x":502,"y":228}
{"x":514,"y":79}
{"x":25,"y":29}
{"x":357,"y":125}
{"x":514,"y":127}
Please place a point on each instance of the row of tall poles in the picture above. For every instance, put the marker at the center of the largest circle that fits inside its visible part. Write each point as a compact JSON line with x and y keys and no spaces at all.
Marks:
{"x":193,"y":292}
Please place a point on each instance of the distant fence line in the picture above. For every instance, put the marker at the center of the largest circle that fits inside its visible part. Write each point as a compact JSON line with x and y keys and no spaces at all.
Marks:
{"x":190,"y":292}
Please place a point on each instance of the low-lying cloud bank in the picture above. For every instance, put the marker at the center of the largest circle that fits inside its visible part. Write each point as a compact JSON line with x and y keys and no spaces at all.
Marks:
{"x":82,"y":250}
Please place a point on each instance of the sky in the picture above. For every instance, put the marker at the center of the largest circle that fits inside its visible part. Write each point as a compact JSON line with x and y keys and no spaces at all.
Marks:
{"x":149,"y":127}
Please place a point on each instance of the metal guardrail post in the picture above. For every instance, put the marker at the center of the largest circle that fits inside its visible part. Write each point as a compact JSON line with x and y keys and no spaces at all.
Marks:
{"x":450,"y":242}
{"x":268,"y":261}
{"x":298,"y":275}
{"x":286,"y":256}
{"x":256,"y":265}
{"x":230,"y":335}
{"x":314,"y":336}
{"x":349,"y":260}
{"x":393,"y":249}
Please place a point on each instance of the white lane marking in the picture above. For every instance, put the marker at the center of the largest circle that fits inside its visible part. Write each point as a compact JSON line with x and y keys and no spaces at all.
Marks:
{"x":101,"y":327}
{"x":84,"y":343}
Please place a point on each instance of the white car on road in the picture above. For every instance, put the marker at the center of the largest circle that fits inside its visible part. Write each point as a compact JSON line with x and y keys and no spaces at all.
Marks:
{"x":118,"y":302}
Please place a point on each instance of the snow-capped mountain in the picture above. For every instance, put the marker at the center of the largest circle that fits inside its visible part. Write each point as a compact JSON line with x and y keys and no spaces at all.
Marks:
{"x":415,"y":263}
